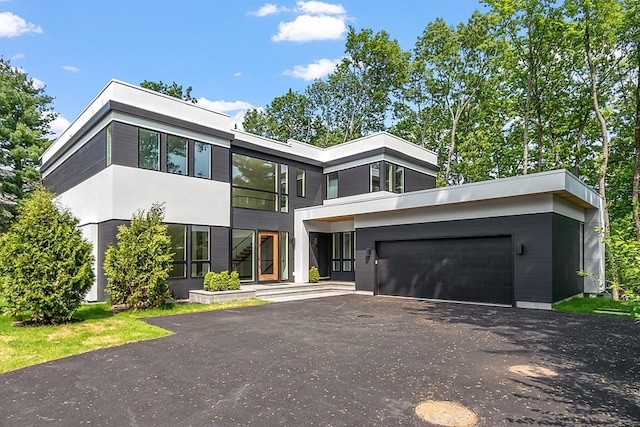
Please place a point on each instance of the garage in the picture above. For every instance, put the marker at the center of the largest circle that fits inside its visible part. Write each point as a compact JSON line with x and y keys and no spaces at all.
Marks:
{"x":470,"y":269}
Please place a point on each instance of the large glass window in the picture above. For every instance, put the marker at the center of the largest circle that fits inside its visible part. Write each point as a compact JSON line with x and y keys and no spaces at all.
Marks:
{"x":284,"y":188}
{"x":394,"y":180}
{"x":200,"y":258}
{"x":284,"y":255}
{"x":255,"y":183}
{"x":332,"y":185}
{"x":178,"y":236}
{"x":342,"y":251}
{"x":148,"y":149}
{"x":374,"y":177}
{"x":347,"y":250}
{"x":301,"y":183}
{"x":336,"y":251}
{"x":202,"y":160}
{"x":109,"y":143}
{"x":176,"y":155}
{"x":243,"y":253}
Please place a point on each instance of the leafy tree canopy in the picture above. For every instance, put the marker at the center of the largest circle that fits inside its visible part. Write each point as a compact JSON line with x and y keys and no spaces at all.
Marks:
{"x":175,"y":90}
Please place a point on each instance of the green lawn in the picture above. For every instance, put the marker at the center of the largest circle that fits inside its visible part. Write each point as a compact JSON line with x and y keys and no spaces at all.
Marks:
{"x":25,"y":346}
{"x":595,"y":305}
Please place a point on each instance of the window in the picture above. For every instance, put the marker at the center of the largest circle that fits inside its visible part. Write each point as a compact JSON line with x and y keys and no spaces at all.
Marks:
{"x":347,"y":250}
{"x":336,"y":251}
{"x":243,"y":253}
{"x":109,"y":143}
{"x":284,"y":255}
{"x":178,"y":236}
{"x":394,"y":180}
{"x":284,"y":188}
{"x":202,"y":160}
{"x":176,"y":155}
{"x":148,"y":149}
{"x":332,"y":185}
{"x":199,"y":251}
{"x":374,"y":177}
{"x":254,"y":183}
{"x":301,"y":183}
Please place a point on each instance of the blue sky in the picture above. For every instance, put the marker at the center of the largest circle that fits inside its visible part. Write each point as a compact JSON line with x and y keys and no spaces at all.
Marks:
{"x":235,"y":54}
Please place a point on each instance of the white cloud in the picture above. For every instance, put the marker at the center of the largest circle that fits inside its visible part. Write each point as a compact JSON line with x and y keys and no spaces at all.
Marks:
{"x":236,"y":109}
{"x":70,"y":68}
{"x":37,"y":83}
{"x":307,"y":28}
{"x":269,"y":9}
{"x":313,"y":71}
{"x":58,"y":125}
{"x":12,"y":25}
{"x":237,"y":74}
{"x":17,"y":56}
{"x":321,"y":8}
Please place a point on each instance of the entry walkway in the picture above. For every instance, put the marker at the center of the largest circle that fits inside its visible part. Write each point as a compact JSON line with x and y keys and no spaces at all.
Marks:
{"x":277,"y":292}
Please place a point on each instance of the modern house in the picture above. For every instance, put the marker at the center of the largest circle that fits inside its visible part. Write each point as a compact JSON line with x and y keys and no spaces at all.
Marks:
{"x":365,"y":211}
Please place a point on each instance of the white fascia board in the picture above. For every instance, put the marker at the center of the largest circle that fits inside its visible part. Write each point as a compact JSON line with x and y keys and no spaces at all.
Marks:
{"x":139,"y":97}
{"x":376,"y":158}
{"x":506,"y":188}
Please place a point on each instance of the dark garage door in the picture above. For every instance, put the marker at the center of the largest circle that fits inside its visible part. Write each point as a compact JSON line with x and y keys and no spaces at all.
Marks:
{"x":477,"y":269}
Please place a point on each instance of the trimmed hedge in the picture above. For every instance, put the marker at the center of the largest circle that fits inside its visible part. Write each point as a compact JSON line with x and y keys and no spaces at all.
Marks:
{"x":223,"y":281}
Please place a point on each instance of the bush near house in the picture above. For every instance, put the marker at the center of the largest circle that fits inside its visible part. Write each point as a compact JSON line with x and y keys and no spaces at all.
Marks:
{"x":45,"y":264}
{"x":314,"y":275}
{"x":223,"y":281}
{"x":137,"y":266}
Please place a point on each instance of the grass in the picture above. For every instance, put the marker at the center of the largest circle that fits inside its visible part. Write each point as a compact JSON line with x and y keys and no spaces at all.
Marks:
{"x":26,"y":346}
{"x":593,"y":305}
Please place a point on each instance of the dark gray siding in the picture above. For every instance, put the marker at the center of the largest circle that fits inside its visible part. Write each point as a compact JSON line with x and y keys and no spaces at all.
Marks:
{"x":415,"y":181}
{"x":566,"y":258}
{"x":107,"y":232}
{"x":221,"y":164}
{"x":124,"y":149}
{"x":353,"y":181}
{"x":81,"y":165}
{"x":533,"y":270}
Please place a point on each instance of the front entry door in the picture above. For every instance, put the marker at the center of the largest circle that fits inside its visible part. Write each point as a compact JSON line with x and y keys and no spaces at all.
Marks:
{"x":267,"y":256}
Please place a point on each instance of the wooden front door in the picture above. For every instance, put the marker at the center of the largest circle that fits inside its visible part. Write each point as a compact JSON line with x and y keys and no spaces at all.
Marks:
{"x":267,"y":255}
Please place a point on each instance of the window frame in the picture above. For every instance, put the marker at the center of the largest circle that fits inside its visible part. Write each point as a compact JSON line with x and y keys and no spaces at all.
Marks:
{"x":183,"y":262}
{"x":208,"y":157}
{"x":141,"y":164}
{"x":332,"y":177}
{"x":204,"y":263}
{"x":375,"y":166}
{"x":186,"y":154}
{"x":301,"y":182}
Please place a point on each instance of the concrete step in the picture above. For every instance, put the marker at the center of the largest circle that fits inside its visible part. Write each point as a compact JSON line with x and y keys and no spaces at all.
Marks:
{"x":303,"y":295}
{"x":303,"y":290}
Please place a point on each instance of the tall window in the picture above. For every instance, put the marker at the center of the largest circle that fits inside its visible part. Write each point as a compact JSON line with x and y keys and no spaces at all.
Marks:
{"x":202,"y":160}
{"x":255,"y":183}
{"x":284,"y":255}
{"x":148,"y":149}
{"x":284,"y":188}
{"x":332,"y":185}
{"x":200,"y":258}
{"x":178,"y":236}
{"x":301,"y":183}
{"x":342,"y":251}
{"x":394,"y":180}
{"x":374,"y":177}
{"x":243,"y":254}
{"x":176,"y":155}
{"x":109,"y":143}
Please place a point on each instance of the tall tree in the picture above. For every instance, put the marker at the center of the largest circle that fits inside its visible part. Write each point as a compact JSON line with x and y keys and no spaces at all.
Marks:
{"x":25,"y":115}
{"x":175,"y":90}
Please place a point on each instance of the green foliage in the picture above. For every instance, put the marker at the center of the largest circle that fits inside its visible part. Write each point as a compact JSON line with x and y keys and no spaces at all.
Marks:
{"x":175,"y":90}
{"x":25,"y":114}
{"x":45,"y":264}
{"x":590,"y":305}
{"x":314,"y":275}
{"x":137,"y":266}
{"x":223,"y":281}
{"x":624,"y":261}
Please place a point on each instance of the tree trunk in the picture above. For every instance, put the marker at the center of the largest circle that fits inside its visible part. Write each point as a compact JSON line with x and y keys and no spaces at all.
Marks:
{"x":636,"y":172}
{"x":525,"y":137}
{"x":581,"y":126}
{"x":602,"y":172}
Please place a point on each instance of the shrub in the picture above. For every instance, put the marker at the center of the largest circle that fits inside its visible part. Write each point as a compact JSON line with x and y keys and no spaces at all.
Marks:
{"x":223,"y":281}
{"x":137,"y":266}
{"x":45,"y":264}
{"x":314,"y":275}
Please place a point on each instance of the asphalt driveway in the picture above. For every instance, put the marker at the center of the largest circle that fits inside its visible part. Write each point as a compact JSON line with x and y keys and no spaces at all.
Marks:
{"x":343,"y":361}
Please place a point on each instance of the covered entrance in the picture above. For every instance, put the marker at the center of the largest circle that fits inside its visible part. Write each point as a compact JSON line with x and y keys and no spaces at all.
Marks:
{"x":473,"y":269}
